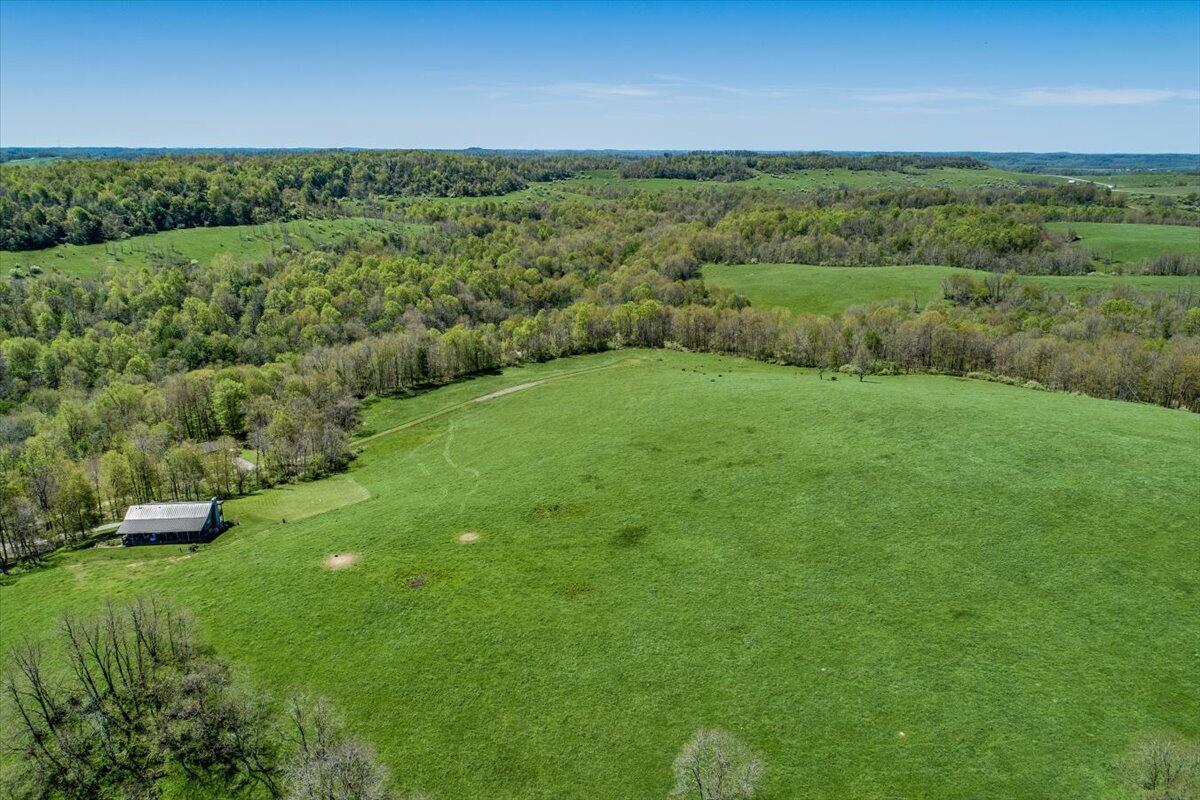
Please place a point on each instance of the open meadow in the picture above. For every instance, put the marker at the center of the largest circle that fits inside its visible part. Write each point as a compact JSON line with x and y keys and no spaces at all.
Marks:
{"x":907,"y":586}
{"x":807,"y":288}
{"x":1168,"y":184}
{"x":240,"y":242}
{"x":1126,"y":242}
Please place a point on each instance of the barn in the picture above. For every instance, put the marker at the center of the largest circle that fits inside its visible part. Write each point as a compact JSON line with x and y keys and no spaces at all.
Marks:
{"x":172,"y":523}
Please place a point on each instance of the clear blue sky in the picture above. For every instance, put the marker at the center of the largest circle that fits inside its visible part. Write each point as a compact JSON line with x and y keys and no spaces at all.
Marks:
{"x":991,"y":76}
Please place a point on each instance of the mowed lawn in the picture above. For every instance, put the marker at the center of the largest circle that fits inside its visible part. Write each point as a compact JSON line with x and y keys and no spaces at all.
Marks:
{"x":906,"y":587}
{"x":1127,"y":241}
{"x":805,"y":288}
{"x":200,"y":244}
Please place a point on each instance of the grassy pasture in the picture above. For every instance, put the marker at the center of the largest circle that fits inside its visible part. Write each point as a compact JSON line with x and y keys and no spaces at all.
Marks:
{"x":1168,"y":184}
{"x":1122,"y":242}
{"x":947,"y":177}
{"x":831,"y":290}
{"x":671,"y":540}
{"x":293,"y":503}
{"x":201,"y":244}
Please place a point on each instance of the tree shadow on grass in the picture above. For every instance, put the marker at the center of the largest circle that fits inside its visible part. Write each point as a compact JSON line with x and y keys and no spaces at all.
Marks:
{"x":630,"y":535}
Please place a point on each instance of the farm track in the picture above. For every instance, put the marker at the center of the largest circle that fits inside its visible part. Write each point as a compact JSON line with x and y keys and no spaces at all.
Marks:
{"x":1074,"y":178}
{"x":493,"y":395}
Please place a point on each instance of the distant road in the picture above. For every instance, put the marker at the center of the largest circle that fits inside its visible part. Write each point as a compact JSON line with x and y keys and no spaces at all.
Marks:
{"x":1074,"y":178}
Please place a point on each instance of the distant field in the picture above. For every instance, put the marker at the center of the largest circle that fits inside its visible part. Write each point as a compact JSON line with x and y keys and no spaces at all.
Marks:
{"x":201,"y":244}
{"x":30,"y":162}
{"x":908,"y":587}
{"x":831,"y":290}
{"x":1170,"y":184}
{"x":809,"y":180}
{"x":1121,"y":242}
{"x":950,"y":177}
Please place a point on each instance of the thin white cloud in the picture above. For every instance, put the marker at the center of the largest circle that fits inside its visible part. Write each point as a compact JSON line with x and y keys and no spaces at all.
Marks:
{"x":1069,"y":96}
{"x":666,"y":88}
{"x":924,"y":96}
{"x":1099,"y":97}
{"x":603,"y":91}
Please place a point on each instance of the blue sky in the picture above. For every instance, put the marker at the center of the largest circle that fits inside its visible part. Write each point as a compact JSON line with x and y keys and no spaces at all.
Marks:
{"x":1084,"y":77}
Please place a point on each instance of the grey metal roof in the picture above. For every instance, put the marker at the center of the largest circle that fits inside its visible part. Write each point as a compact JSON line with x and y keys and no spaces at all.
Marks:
{"x":166,"y":517}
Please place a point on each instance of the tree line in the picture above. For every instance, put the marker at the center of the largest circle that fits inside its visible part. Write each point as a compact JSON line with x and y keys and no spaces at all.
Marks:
{"x":740,"y":165}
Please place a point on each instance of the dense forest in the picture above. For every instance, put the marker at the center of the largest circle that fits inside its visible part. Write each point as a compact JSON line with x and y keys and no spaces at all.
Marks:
{"x":83,"y":202}
{"x":183,"y":379}
{"x":92,"y":201}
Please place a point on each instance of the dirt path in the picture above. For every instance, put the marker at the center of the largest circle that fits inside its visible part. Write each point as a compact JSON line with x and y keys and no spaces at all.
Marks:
{"x":499,"y":393}
{"x":518,"y":388}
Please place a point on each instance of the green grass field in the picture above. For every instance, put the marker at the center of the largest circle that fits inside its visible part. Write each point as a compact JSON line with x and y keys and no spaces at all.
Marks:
{"x":1123,"y":242}
{"x":293,"y":503}
{"x":948,"y":177}
{"x":670,"y":540}
{"x":804,"y":288}
{"x":201,"y":244}
{"x":1169,"y":184}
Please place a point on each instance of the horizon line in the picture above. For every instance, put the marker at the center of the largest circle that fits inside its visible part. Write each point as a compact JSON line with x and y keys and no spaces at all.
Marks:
{"x":528,"y":149}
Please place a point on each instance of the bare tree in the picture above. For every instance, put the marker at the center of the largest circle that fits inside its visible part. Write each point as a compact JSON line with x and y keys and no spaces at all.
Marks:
{"x":94,"y":735}
{"x":140,"y":700}
{"x":328,"y":764}
{"x":1163,"y":767}
{"x":715,"y":765}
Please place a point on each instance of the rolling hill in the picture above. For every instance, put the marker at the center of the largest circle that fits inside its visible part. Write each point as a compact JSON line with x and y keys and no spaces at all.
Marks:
{"x":906,"y":586}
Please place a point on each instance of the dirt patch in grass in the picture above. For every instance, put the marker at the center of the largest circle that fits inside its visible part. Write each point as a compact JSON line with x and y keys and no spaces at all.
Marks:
{"x":466,"y":537}
{"x":416,"y":581}
{"x":518,"y":388}
{"x":339,"y":561}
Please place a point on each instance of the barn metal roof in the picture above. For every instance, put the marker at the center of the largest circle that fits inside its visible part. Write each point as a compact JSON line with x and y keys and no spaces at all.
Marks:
{"x":181,"y":517}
